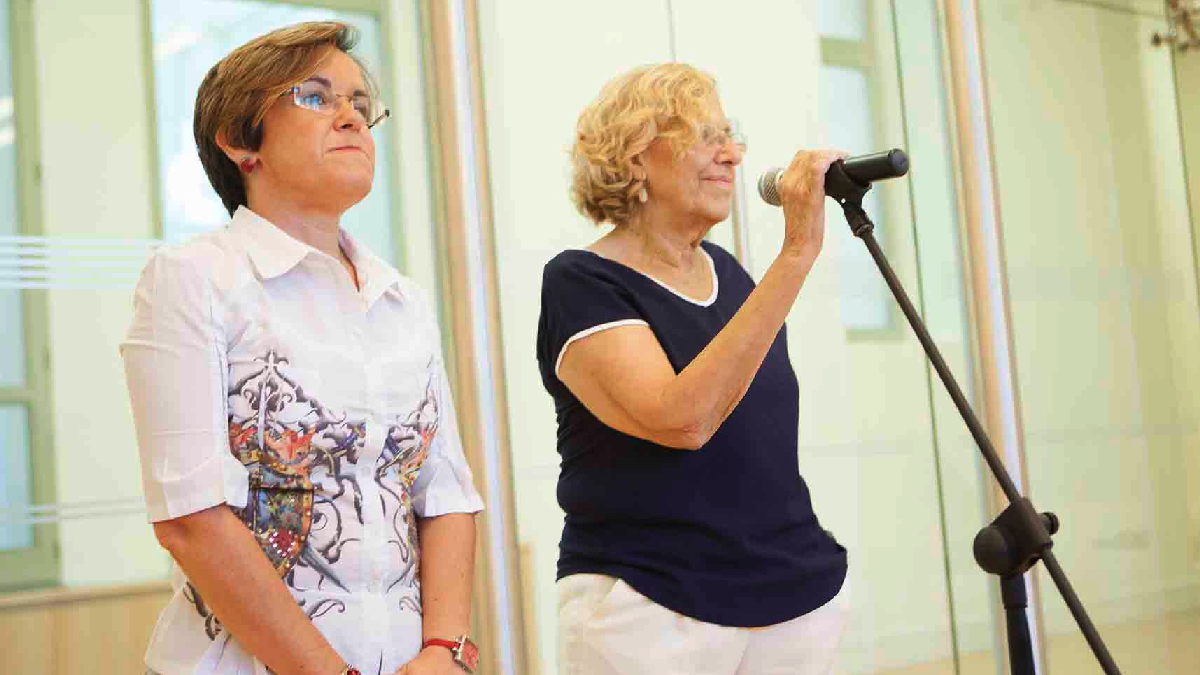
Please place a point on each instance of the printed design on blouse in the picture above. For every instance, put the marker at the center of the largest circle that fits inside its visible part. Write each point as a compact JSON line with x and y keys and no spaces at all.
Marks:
{"x":301,"y":457}
{"x":285,"y":438}
{"x":405,"y":449}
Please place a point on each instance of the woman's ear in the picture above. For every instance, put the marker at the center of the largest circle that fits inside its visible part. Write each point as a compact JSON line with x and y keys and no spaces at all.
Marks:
{"x":639,"y":169}
{"x":245,"y":159}
{"x":235,"y":155}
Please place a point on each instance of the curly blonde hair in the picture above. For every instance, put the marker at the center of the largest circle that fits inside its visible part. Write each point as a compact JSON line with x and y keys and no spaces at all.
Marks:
{"x":668,"y":101}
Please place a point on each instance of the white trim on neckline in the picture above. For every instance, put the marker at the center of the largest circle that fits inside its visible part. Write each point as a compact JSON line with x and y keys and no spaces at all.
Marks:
{"x":712,"y":266}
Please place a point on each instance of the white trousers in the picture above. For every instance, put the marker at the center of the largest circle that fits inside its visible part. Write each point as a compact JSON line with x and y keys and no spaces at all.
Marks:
{"x":607,"y":628}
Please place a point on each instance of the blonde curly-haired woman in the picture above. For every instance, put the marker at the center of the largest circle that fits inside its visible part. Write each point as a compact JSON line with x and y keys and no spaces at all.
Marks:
{"x":690,"y":543}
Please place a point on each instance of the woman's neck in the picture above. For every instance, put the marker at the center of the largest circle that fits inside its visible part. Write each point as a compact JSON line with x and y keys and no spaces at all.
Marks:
{"x":313,"y":227}
{"x":652,"y":244}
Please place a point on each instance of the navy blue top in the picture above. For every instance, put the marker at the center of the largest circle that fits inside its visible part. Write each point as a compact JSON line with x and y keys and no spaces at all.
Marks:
{"x":725,"y":534}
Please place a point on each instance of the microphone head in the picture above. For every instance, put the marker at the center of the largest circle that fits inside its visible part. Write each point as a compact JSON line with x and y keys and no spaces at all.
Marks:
{"x":899,"y":161}
{"x":768,"y":186}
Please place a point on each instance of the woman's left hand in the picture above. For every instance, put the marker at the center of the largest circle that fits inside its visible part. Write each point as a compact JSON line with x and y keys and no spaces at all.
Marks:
{"x":431,"y":661}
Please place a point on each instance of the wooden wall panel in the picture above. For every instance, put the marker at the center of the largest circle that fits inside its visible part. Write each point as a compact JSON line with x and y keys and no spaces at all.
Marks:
{"x":67,"y":632}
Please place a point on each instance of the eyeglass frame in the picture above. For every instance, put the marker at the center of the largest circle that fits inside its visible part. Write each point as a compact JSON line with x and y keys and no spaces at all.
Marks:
{"x":294,"y":91}
{"x":723,"y":137}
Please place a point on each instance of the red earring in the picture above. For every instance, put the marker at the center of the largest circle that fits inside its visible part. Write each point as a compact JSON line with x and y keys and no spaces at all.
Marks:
{"x":247,"y":165}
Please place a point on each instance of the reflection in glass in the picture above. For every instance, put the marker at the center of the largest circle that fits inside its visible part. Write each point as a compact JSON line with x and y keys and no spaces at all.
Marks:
{"x":1102,"y":286}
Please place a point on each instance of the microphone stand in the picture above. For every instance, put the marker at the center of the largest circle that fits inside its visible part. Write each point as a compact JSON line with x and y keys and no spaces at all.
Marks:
{"x":1019,"y":537}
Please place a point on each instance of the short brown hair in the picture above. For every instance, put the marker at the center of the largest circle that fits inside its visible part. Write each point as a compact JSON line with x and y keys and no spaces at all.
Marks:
{"x":238,"y":91}
{"x":668,"y":100}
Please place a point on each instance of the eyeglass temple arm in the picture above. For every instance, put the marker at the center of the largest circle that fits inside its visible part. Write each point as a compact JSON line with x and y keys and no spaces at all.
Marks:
{"x":386,"y":113}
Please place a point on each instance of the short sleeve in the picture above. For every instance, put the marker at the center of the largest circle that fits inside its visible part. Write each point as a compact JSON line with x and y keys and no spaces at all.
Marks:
{"x":444,"y":484}
{"x":175,"y":366}
{"x":579,"y":298}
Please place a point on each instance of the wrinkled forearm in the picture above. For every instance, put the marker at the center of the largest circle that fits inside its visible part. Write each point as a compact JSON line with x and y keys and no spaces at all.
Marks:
{"x":701,"y":397}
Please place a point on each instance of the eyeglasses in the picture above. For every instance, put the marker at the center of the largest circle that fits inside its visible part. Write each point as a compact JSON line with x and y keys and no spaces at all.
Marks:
{"x":318,"y":97}
{"x":716,"y":137}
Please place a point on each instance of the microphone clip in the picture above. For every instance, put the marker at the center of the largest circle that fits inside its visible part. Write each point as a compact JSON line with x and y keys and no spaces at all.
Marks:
{"x":840,"y":186}
{"x":849,"y":193}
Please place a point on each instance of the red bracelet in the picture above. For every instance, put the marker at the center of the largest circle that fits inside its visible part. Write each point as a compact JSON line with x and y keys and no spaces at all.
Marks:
{"x":464,"y":651}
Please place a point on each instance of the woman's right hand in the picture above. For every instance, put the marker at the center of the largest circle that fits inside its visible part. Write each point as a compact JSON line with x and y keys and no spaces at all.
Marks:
{"x":802,"y":191}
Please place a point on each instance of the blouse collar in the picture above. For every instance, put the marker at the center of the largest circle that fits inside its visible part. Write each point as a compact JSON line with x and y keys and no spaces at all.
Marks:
{"x":275,"y":252}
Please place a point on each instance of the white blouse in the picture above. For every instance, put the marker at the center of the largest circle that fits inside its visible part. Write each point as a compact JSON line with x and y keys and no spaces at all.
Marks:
{"x":262,"y":379}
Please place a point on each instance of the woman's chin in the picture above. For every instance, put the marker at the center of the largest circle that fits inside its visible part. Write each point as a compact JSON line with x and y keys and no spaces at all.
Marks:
{"x":347,"y":193}
{"x":718,"y":214}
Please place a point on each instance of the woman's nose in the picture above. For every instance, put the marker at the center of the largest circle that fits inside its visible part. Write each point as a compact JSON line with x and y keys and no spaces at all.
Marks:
{"x":347,"y":116}
{"x":730,"y":153}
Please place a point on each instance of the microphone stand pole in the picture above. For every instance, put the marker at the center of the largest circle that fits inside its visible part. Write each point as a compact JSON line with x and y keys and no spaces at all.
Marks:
{"x":1019,"y":537}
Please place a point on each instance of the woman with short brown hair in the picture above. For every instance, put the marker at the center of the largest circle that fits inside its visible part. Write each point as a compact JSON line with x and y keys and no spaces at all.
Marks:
{"x":300,"y":455}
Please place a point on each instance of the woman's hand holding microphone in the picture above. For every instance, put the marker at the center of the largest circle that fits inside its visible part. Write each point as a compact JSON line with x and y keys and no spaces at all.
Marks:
{"x":802,"y":191}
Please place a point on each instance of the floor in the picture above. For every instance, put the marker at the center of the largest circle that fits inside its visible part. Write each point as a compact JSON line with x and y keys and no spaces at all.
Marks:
{"x":1167,"y":646}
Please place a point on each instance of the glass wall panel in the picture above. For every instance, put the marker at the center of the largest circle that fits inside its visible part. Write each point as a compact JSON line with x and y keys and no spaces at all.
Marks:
{"x":1102,"y":281}
{"x":963,"y":478}
{"x":867,"y":434}
{"x":14,"y":433}
{"x":27,"y":557}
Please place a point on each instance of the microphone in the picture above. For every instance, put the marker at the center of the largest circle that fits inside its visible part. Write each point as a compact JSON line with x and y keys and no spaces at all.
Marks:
{"x":864,"y":170}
